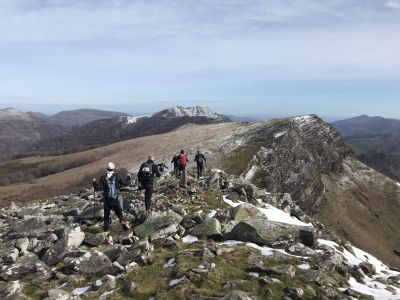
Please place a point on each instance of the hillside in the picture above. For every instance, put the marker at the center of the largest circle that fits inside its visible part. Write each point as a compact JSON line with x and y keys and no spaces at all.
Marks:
{"x":79,"y":117}
{"x":302,"y":156}
{"x":221,"y":239}
{"x":107,"y":131}
{"x":19,"y":130}
{"x":366,"y":126}
{"x":375,"y":141}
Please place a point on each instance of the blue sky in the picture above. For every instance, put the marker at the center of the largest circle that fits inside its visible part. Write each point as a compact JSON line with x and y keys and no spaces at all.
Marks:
{"x":336,"y":58}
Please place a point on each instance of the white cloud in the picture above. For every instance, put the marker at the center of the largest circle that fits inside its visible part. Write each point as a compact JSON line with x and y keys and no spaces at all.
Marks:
{"x":393,"y":4}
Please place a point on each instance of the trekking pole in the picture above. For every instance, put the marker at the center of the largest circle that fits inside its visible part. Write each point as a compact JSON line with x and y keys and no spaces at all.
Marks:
{"x":94,"y":202}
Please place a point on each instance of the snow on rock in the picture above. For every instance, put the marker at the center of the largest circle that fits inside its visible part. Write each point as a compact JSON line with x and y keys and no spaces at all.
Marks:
{"x":250,"y":174}
{"x":304,"y":266}
{"x":211,"y":214}
{"x":279,"y":134}
{"x":81,"y":290}
{"x":196,"y":111}
{"x":189,"y":239}
{"x":170,"y":263}
{"x":132,"y":119}
{"x":176,"y":281}
{"x":272,"y":213}
{"x":371,"y":285}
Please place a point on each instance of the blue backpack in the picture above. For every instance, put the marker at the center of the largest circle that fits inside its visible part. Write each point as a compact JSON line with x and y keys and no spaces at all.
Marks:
{"x":111,"y":191}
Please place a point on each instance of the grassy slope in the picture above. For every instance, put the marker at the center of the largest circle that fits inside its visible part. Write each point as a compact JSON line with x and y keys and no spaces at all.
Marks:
{"x":362,"y":206}
{"x":128,"y":154}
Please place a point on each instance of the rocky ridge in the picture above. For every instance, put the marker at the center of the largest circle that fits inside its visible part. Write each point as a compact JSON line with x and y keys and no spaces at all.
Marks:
{"x":221,"y":238}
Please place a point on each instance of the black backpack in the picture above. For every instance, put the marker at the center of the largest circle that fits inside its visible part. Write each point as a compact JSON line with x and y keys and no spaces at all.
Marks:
{"x":147,"y":172}
{"x":200,"y":158}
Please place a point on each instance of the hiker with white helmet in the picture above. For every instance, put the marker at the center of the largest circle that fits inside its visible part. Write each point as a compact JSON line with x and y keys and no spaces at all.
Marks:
{"x":110,"y":184}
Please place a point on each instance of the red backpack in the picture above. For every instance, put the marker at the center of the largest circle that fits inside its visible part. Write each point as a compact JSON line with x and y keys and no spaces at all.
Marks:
{"x":182,"y":160}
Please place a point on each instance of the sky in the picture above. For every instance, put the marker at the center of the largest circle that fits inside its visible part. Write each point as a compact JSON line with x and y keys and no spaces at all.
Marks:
{"x":335,"y":58}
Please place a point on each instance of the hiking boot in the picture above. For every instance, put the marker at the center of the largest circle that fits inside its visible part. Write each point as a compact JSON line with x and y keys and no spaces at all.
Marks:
{"x":106,"y":227}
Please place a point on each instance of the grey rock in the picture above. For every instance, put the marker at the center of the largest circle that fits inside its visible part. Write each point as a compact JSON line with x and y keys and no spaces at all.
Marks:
{"x":294,"y":293}
{"x":92,"y":262}
{"x":11,"y":291}
{"x":11,"y":256}
{"x":244,"y":211}
{"x":165,"y":222}
{"x":208,"y":229}
{"x":262,"y":231}
{"x":72,"y":239}
{"x":95,"y":240}
{"x":128,"y":288}
{"x":239,"y":295}
{"x":22,"y":244}
{"x":300,"y":249}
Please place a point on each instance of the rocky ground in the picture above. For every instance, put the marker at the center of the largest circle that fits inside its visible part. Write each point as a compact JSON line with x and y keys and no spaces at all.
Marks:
{"x":221,"y":238}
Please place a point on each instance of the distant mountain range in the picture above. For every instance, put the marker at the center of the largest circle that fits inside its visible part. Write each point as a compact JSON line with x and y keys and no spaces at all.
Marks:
{"x":79,"y":117}
{"x":375,"y":141}
{"x":70,"y":131}
{"x":20,"y":129}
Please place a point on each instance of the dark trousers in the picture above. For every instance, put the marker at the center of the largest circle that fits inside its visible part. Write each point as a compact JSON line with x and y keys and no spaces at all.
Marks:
{"x":200,"y":169}
{"x":176,"y":170}
{"x":109,"y":205}
{"x":148,"y":193}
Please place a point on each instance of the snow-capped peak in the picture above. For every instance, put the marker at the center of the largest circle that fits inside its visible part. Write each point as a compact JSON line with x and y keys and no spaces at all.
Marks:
{"x":196,"y":111}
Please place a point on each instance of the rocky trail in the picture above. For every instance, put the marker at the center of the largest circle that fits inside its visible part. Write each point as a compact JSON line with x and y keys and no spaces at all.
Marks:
{"x":221,"y":238}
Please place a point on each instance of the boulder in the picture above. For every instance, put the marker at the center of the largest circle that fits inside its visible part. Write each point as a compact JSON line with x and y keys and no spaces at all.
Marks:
{"x":24,"y":265}
{"x":72,"y":239}
{"x":92,"y":262}
{"x":95,"y":240}
{"x":300,"y":249}
{"x":209,"y":229}
{"x":262,"y":231}
{"x":11,"y":291}
{"x":159,"y":225}
{"x":22,"y":244}
{"x":93,"y":213}
{"x":245,"y":211}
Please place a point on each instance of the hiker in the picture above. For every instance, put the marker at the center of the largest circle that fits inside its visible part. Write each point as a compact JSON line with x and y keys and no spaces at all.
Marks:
{"x":146,"y":179}
{"x":182,"y":161}
{"x":176,"y":164}
{"x":200,"y":159}
{"x":162,"y":167}
{"x":110,"y":184}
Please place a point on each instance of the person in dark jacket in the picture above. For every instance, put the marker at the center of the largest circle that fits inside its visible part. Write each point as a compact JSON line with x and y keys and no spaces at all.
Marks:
{"x":110,"y":184}
{"x":175,"y":161}
{"x":162,"y":167}
{"x":200,"y":159}
{"x":146,"y":178}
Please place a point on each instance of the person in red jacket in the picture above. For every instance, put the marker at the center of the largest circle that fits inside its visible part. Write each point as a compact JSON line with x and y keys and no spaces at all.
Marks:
{"x":182,"y":162}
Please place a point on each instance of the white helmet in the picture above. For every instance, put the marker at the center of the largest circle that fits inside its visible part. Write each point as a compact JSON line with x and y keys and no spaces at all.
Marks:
{"x":110,"y":166}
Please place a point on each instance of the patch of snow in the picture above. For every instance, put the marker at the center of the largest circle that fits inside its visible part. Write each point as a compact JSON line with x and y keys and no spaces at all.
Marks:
{"x":371,"y":285}
{"x":132,"y":119}
{"x":304,"y":266}
{"x":304,"y":119}
{"x":376,"y":290}
{"x":278,"y":215}
{"x":170,"y":263}
{"x":211,"y":214}
{"x":81,"y":290}
{"x":279,"y":134}
{"x":189,"y":239}
{"x":265,"y":251}
{"x":231,"y":242}
{"x":176,"y":281}
{"x":254,"y":274}
{"x":272,"y":213}
{"x":250,"y":174}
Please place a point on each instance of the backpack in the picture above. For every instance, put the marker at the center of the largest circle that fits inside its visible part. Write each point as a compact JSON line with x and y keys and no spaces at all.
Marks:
{"x":182,"y":160}
{"x":111,"y":190}
{"x":147,"y":172}
{"x":200,"y":158}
